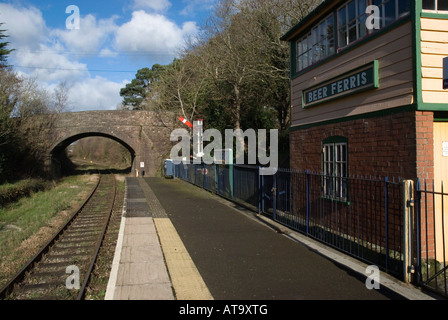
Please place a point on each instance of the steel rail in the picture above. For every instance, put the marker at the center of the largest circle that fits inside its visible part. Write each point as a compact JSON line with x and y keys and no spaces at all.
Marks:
{"x":100,"y":243}
{"x":9,"y":287}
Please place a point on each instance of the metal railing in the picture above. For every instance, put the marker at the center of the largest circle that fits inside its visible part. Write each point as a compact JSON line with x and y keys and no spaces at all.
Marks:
{"x":361,"y":216}
{"x":432,"y":240}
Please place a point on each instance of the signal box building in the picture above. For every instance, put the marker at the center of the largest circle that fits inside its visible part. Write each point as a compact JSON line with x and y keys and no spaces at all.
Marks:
{"x":369,"y":99}
{"x":367,"y":89}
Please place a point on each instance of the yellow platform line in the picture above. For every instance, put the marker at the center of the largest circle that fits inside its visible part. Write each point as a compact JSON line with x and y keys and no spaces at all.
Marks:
{"x":186,"y":279}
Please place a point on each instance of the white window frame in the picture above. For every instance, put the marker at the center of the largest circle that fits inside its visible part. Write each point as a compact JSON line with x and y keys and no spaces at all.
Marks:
{"x":436,"y":8}
{"x":335,"y":171}
{"x":360,"y":14}
{"x":304,"y":59}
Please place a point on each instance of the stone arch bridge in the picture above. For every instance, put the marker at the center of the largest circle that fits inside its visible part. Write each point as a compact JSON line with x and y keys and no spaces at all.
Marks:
{"x":146,"y":134}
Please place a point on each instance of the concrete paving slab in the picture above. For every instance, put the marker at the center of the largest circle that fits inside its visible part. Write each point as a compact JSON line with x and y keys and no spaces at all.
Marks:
{"x":144,"y":292}
{"x":139,"y":240}
{"x":141,"y":254}
{"x":142,"y":229}
{"x":139,"y":271}
{"x":143,"y":273}
{"x":142,"y":221}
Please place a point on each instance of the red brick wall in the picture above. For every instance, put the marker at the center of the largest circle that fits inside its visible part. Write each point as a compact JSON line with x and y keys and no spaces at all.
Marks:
{"x":425,"y":171}
{"x":397,"y":145}
{"x":425,"y":144}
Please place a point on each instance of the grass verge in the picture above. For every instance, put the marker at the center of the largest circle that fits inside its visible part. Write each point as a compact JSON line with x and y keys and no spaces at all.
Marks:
{"x":11,"y":192}
{"x":29,"y":223}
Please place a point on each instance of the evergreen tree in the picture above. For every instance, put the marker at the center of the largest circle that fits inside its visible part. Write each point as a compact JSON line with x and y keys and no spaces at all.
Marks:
{"x":4,"y":52}
{"x":135,"y":92}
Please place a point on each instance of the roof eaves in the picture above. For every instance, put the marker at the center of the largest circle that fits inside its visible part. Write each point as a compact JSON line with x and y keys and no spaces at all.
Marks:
{"x":288,"y":36}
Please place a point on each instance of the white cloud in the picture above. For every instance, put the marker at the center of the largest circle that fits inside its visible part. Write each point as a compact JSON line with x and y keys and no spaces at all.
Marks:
{"x":50,"y":66}
{"x":51,"y":52}
{"x":62,"y":54}
{"x":25,"y":26}
{"x":89,"y":37}
{"x":157,"y":5}
{"x":28,"y":36}
{"x":152,"y":33}
{"x":95,"y":94}
{"x":108,"y":53}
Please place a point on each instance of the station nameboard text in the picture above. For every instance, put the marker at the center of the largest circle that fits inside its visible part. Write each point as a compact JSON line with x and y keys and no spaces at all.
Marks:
{"x":363,"y":78}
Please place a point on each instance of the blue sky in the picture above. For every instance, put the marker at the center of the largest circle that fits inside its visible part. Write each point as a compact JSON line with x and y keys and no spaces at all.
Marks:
{"x":114,"y":40}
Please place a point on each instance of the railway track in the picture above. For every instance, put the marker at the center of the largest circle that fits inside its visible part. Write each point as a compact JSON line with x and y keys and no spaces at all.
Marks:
{"x":62,"y":268}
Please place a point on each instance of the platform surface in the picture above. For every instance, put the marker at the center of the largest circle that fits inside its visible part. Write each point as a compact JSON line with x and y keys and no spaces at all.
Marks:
{"x":179,"y":242}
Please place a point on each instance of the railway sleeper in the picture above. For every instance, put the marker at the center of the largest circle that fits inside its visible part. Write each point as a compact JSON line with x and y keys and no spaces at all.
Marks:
{"x":99,"y":207}
{"x":81,"y":232}
{"x":56,"y":274}
{"x":80,"y":237}
{"x":67,"y":246}
{"x":89,"y":220}
{"x":72,"y":259}
{"x":42,"y":291}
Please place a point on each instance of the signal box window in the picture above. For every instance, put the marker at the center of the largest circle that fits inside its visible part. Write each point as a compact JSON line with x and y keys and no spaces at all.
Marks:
{"x":335,"y":168}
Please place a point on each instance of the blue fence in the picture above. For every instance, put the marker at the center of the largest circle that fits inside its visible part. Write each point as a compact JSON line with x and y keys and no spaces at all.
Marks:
{"x":360,"y":216}
{"x":431,"y":233}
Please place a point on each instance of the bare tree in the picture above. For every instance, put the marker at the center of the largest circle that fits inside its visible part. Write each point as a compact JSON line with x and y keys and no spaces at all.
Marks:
{"x":230,"y":54}
{"x":182,"y":86}
{"x":243,"y":39}
{"x":237,"y":64}
{"x":9,"y":96}
{"x":61,"y":98}
{"x":32,"y":99}
{"x":21,"y":101}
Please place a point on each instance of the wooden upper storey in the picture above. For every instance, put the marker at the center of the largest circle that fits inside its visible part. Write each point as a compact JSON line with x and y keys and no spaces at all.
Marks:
{"x":330,"y":47}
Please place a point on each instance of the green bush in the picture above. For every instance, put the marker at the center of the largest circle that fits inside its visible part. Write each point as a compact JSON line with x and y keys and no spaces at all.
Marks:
{"x":13,"y":192}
